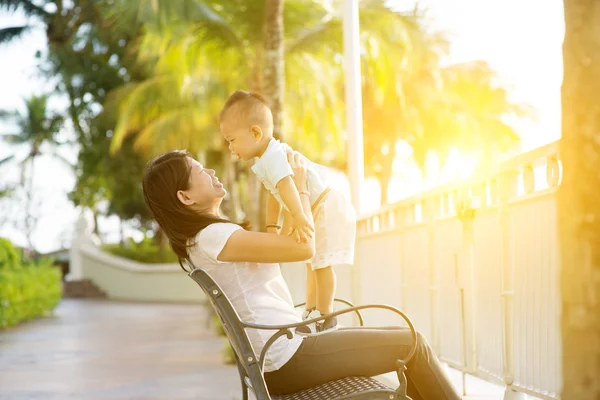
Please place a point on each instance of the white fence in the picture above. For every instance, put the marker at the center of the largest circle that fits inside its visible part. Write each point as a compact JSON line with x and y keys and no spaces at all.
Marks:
{"x":476,"y":267}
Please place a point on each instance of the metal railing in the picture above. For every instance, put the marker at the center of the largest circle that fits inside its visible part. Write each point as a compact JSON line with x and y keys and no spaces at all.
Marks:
{"x":475,"y":264}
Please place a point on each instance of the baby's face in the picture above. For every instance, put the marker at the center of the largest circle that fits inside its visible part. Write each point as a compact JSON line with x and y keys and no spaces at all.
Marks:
{"x":242,"y":143}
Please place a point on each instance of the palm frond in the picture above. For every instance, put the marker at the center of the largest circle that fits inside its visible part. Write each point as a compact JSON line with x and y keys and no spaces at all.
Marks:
{"x":145,"y":102}
{"x":6,"y":159}
{"x":9,"y":114}
{"x":9,"y":34}
{"x":327,"y":33}
{"x":54,"y":124}
{"x":59,"y":157}
{"x":13,"y":138}
{"x":313,"y":108}
{"x":27,"y":6}
{"x":187,"y":127}
{"x":210,"y":25}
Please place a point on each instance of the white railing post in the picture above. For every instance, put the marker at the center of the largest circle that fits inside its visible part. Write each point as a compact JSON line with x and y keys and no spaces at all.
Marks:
{"x":507,"y":188}
{"x":466,"y":285}
{"x":400,"y":218}
{"x":429,"y":215}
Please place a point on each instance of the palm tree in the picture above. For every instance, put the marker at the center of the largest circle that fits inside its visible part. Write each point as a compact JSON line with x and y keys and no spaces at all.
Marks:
{"x":37,"y":127}
{"x":579,"y":210}
{"x":406,"y":92}
{"x":60,"y":24}
{"x":196,"y":57}
{"x":397,"y":89}
{"x":434,"y":108}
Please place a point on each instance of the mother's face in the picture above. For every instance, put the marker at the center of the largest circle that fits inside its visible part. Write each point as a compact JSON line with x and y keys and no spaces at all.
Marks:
{"x":204,"y":189}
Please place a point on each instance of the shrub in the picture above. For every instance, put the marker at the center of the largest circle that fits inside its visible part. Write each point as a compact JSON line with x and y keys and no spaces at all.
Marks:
{"x":27,"y":289}
{"x":9,"y":257}
{"x":145,"y":251}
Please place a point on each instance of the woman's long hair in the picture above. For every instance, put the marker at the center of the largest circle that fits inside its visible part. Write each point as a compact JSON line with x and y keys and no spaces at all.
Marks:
{"x":164,"y":176}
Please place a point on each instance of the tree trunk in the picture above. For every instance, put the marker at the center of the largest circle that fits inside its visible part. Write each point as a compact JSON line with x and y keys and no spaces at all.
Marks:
{"x":30,"y":219}
{"x":273,"y":70}
{"x":384,"y":184}
{"x":273,"y":86}
{"x":579,"y":209}
{"x":96,"y":230}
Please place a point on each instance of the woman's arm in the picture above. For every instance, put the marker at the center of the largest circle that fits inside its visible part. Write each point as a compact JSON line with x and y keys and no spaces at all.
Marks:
{"x":267,"y":248}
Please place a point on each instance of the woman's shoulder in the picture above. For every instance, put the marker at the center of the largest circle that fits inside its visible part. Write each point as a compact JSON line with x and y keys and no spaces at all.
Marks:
{"x":211,"y":240}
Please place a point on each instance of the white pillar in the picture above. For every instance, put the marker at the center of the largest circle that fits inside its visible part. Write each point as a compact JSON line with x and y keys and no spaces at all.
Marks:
{"x":354,"y":123}
{"x":81,"y":238}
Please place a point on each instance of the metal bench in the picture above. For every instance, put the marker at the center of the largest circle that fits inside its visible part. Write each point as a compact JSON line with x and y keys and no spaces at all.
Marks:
{"x":250,"y":366}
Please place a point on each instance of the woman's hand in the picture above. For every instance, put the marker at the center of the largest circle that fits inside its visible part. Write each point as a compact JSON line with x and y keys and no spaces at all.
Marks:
{"x":296,"y":161}
{"x":301,"y":225}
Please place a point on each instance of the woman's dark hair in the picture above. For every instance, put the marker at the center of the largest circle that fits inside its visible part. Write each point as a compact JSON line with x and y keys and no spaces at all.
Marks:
{"x":163,"y":177}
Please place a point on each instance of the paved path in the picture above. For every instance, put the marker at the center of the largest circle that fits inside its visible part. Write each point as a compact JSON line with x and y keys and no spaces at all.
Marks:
{"x":104,"y":350}
{"x":110,"y":350}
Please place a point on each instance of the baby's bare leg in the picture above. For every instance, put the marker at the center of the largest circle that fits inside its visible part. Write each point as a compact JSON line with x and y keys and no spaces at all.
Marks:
{"x":326,"y":282}
{"x":311,"y":290}
{"x":311,"y":287}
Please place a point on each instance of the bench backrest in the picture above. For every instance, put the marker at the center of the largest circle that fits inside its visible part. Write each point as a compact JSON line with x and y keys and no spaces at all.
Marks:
{"x":247,"y":361}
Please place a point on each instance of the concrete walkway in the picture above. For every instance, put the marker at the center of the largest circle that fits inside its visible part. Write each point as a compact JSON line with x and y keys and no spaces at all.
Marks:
{"x":109,"y":350}
{"x":92,"y":350}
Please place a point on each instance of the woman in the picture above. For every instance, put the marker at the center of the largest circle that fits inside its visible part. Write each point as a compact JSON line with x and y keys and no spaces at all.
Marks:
{"x":184,"y":198}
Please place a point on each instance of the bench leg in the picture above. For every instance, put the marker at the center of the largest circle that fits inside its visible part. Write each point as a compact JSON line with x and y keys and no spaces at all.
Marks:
{"x":401,"y":391}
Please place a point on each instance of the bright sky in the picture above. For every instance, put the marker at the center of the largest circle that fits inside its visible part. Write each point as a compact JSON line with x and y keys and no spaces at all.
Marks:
{"x":521,"y":39}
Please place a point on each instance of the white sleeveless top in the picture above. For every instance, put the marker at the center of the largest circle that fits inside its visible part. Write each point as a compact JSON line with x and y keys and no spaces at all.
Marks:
{"x":257,"y":291}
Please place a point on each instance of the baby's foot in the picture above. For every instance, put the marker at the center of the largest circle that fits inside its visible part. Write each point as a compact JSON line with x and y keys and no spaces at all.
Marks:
{"x":329,"y":324}
{"x":308,"y":329}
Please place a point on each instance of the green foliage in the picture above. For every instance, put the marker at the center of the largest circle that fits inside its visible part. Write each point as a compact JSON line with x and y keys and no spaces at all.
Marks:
{"x":145,"y":251}
{"x":9,"y":257}
{"x":27,"y":289}
{"x":96,"y":59}
{"x":193,"y":50}
{"x":150,"y":76}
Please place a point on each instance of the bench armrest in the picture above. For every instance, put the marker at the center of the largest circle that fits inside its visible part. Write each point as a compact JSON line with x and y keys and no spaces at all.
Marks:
{"x":286,"y":329}
{"x":346,"y":302}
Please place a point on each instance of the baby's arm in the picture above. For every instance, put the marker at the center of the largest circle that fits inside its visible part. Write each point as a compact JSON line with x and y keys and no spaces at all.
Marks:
{"x":286,"y":227}
{"x":273,"y":211}
{"x":290,"y":196}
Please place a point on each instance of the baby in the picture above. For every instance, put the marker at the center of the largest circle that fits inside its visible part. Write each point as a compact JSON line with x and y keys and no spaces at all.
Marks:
{"x":247,"y":124}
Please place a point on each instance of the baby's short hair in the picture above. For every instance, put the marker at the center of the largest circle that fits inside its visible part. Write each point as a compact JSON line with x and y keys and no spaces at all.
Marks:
{"x":246,"y":104}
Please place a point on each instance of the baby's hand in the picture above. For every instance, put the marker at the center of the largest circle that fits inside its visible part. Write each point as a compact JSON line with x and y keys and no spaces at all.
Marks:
{"x":302,"y":227}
